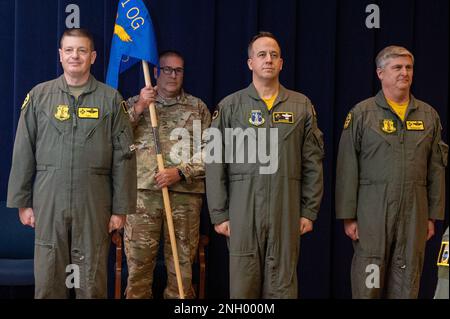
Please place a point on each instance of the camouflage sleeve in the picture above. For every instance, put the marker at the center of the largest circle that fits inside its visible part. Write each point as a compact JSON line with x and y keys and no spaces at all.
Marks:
{"x":129,"y":104}
{"x":195,"y":168}
{"x":216,"y":169}
{"x":312,"y":170}
{"x":124,"y":163}
{"x":436,"y":174}
{"x":347,"y":171}
{"x":20,"y":186}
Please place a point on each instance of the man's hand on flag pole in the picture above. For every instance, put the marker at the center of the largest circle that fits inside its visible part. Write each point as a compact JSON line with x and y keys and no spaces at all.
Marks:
{"x":146,"y":96}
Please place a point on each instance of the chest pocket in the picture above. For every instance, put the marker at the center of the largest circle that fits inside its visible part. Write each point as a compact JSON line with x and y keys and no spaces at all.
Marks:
{"x":418,"y":143}
{"x":94,"y":129}
{"x":50,"y":140}
{"x":375,"y":137}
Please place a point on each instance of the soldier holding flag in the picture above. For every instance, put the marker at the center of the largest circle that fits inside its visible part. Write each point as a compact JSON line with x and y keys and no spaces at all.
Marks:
{"x":184,"y":178}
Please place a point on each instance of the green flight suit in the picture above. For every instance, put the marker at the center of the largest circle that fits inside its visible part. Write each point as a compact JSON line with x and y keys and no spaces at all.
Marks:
{"x":72,"y":164}
{"x":264,"y":209}
{"x":391,"y":179}
{"x":442,"y":285}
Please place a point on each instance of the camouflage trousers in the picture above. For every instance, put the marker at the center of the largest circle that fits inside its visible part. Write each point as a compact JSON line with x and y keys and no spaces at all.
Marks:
{"x":142,"y":237}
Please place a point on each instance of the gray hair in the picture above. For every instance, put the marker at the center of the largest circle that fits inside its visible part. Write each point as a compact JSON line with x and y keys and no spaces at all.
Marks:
{"x":391,"y":52}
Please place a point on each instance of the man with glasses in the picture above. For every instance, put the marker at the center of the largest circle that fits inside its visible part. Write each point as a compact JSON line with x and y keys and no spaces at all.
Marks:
{"x":178,"y":113}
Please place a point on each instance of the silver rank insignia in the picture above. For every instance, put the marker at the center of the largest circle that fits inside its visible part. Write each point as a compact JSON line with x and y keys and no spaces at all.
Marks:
{"x":256,"y":118}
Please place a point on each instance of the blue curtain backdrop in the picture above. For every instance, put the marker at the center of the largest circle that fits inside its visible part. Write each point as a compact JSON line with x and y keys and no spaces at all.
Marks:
{"x":328,"y":54}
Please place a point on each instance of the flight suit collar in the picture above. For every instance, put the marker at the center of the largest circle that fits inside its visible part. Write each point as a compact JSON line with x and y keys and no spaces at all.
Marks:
{"x":282,"y":94}
{"x":91,"y":84}
{"x":180,"y":99}
{"x":381,"y":101}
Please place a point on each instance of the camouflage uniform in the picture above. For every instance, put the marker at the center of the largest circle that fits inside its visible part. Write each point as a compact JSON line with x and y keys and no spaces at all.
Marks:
{"x":143,"y":230}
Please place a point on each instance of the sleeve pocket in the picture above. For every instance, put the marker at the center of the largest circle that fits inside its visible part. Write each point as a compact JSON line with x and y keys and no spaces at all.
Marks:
{"x":318,"y":136}
{"x":444,"y":152}
{"x":125,"y":143}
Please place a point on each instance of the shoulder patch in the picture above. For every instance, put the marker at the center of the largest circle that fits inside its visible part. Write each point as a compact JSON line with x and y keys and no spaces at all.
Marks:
{"x":313,"y":110}
{"x":25,"y":102}
{"x":123,"y":106}
{"x":348,"y":120}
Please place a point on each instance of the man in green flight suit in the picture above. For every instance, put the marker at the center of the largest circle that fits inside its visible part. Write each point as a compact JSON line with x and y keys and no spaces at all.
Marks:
{"x":73,"y":176}
{"x":390,"y":182}
{"x":263,"y":209}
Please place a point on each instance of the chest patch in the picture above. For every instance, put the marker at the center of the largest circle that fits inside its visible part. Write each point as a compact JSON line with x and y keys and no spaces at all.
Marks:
{"x":283,"y":117}
{"x":62,"y":112}
{"x":256,"y":118}
{"x":415,"y":126}
{"x":388,"y":126}
{"x":88,"y":112}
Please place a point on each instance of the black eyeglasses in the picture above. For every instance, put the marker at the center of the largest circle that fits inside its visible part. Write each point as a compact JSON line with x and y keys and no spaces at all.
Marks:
{"x":167,"y":70}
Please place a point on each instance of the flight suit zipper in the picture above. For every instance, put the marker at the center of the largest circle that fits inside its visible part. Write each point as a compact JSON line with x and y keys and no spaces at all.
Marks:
{"x":401,"y":216}
{"x":76,"y":104}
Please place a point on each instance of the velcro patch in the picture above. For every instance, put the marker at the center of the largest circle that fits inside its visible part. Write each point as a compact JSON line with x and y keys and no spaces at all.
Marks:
{"x":388,"y":126}
{"x":88,"y":112}
{"x":348,"y":120}
{"x":25,"y":102}
{"x":283,"y":117}
{"x":443,"y":255}
{"x":415,"y":126}
{"x":62,"y":112}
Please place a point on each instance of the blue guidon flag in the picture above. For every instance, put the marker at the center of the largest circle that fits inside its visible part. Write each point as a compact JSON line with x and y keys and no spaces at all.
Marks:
{"x":133,"y":39}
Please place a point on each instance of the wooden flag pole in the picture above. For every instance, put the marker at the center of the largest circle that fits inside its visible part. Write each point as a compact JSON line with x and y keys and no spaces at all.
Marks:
{"x":165,"y":190}
{"x":117,"y":240}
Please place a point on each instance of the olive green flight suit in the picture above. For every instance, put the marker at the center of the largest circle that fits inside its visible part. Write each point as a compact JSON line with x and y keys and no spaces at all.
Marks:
{"x":72,"y":164}
{"x":264,"y":209}
{"x":391,"y":179}
{"x":442,"y":285}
